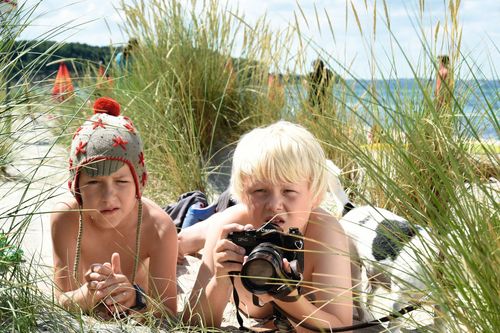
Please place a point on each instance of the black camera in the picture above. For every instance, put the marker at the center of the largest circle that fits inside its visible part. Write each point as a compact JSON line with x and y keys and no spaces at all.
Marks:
{"x":263,"y":272}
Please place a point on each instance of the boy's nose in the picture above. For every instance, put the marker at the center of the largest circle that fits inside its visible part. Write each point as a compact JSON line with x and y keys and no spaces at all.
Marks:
{"x":275,"y":203}
{"x":108,"y":191}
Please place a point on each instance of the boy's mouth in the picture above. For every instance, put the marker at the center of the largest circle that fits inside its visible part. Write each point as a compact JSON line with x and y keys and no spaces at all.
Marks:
{"x":108,"y":211}
{"x":276,"y":220}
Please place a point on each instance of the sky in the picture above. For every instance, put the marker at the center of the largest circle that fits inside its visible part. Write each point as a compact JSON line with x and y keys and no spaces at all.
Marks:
{"x":99,"y":22}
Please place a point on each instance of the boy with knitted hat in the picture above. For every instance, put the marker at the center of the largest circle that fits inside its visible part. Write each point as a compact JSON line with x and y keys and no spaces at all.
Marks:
{"x":112,"y":248}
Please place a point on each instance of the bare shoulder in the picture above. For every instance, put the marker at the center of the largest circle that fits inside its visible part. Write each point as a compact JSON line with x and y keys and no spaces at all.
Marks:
{"x":64,"y":220}
{"x":325,"y":230}
{"x":155,"y":219}
{"x":64,"y":213}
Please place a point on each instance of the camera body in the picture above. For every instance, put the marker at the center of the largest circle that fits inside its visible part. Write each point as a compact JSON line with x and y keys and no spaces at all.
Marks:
{"x":270,"y":233}
{"x":263,"y":272}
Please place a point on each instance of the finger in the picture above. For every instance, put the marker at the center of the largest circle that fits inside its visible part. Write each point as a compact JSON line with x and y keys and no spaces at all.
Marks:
{"x":92,"y":285}
{"x":95,"y":267}
{"x":116,"y":263}
{"x":229,"y":257}
{"x":225,"y":245}
{"x":121,"y":296}
{"x":113,"y":280}
{"x":101,"y":269}
{"x":97,"y":277}
{"x":226,"y":267}
{"x":228,"y":262}
{"x":230,"y":228}
{"x":286,"y":265}
{"x":105,"y":289}
{"x":249,"y":227}
{"x":87,"y":274}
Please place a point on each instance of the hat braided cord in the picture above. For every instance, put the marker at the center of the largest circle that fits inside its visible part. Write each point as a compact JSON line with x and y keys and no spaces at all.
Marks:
{"x":78,"y":243}
{"x":137,"y":240}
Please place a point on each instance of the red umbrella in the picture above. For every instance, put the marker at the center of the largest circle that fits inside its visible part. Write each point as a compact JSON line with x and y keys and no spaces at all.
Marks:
{"x":62,"y":85}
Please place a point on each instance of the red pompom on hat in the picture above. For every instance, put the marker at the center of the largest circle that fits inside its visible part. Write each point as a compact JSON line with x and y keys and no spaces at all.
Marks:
{"x":107,"y":105}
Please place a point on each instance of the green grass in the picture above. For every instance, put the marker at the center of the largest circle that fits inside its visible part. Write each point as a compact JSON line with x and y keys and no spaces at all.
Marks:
{"x":187,"y":92}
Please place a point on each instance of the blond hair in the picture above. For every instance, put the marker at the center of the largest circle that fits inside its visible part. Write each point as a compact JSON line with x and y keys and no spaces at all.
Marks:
{"x":281,"y":152}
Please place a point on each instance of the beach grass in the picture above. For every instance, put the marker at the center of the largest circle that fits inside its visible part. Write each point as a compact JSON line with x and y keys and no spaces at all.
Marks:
{"x":190,"y":96}
{"x":421,"y":164}
{"x":188,"y":92}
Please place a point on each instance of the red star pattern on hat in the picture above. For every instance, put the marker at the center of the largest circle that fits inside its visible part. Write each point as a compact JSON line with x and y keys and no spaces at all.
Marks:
{"x":98,"y":123}
{"x":141,"y":158}
{"x":144,"y":178}
{"x":118,"y":141}
{"x":130,"y":127}
{"x":77,"y":131}
{"x":80,"y":149}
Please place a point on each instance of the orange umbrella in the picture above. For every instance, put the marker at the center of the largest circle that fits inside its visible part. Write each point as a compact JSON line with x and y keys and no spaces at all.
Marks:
{"x":62,"y":85}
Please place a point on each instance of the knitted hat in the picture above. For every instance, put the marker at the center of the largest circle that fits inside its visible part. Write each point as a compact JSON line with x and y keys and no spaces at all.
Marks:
{"x":103,"y":143}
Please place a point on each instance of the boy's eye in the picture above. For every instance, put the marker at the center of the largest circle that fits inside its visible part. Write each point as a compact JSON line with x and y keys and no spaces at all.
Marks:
{"x":260,"y":192}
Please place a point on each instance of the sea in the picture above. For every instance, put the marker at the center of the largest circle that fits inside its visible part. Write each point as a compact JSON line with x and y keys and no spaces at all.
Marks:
{"x":479,"y":100}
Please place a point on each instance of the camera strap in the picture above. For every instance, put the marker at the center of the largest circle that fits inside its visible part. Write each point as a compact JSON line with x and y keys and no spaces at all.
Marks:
{"x":280,"y":320}
{"x":236,"y":300}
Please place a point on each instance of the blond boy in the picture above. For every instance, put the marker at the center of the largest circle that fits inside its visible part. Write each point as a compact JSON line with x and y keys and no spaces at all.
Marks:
{"x":278,"y":174}
{"x":114,"y":250}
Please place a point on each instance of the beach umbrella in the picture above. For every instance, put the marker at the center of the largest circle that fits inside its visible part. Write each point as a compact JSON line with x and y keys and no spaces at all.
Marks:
{"x":63,"y":87}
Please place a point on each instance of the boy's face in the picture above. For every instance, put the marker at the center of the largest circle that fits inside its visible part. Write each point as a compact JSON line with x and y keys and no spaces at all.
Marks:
{"x":287,"y":204}
{"x":112,"y":198}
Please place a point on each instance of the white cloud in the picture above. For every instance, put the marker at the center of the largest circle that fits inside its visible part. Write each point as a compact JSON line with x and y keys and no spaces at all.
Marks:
{"x":478,"y":19}
{"x":94,"y":22}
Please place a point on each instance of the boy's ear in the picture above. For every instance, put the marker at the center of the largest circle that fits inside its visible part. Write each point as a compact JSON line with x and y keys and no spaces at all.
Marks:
{"x":318,"y":199}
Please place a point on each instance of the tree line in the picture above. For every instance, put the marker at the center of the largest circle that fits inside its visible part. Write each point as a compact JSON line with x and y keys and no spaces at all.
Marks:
{"x":41,"y":58}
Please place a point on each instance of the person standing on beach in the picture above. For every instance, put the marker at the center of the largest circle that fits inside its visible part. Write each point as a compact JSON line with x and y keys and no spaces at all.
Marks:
{"x":442,"y":81}
{"x":124,"y":58}
{"x":319,"y":81}
{"x":114,"y":250}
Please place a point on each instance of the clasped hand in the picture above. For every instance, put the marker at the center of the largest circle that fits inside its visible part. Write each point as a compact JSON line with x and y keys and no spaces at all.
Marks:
{"x":109,"y":286}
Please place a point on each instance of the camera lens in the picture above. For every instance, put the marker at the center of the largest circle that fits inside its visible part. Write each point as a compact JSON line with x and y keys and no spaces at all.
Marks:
{"x":262,"y":271}
{"x":259,"y":271}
